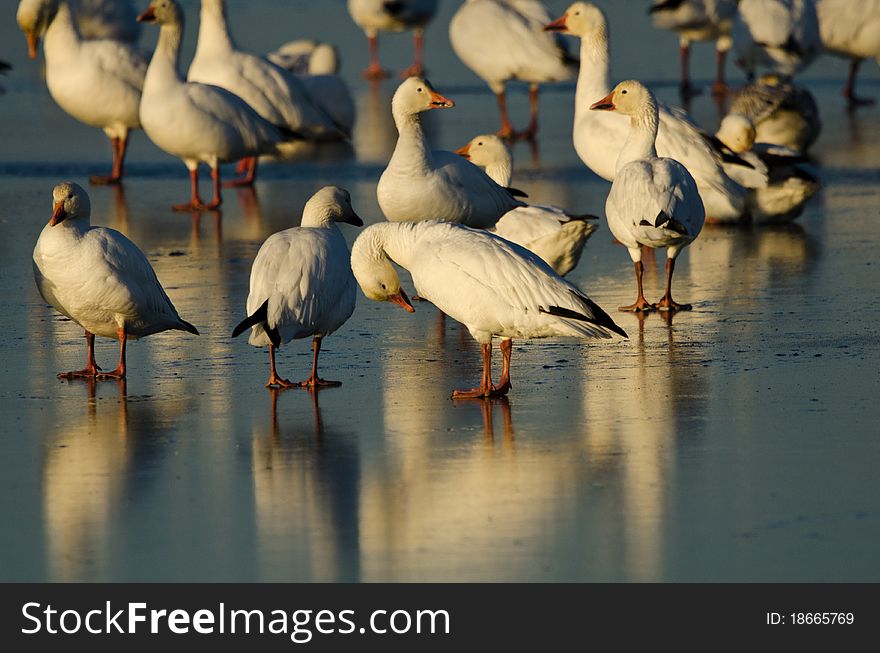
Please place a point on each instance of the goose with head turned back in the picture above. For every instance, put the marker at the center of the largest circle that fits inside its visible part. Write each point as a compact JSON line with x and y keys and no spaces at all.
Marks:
{"x":374,"y":16}
{"x":276,"y":94}
{"x":98,"y":82}
{"x":494,"y":287}
{"x":598,"y":136}
{"x":555,"y":235}
{"x":424,"y":184}
{"x":501,"y":40}
{"x":653,"y":201}
{"x":301,"y":283}
{"x":99,"y":279}
{"x":197,"y":122}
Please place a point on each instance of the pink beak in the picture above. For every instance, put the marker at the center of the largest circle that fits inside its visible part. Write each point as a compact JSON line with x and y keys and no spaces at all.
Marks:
{"x":605,"y":104}
{"x":557,"y":25}
{"x":440,"y":102}
{"x":58,"y":214}
{"x":403,"y":301}
{"x":464,"y":151}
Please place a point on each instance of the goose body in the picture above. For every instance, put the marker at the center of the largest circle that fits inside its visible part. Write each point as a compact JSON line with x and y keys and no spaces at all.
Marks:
{"x":95,"y":19}
{"x":198,"y":123}
{"x":301,"y":283}
{"x":99,"y":278}
{"x":654,"y":201}
{"x":555,"y":235}
{"x":782,"y":35}
{"x":494,"y":287}
{"x":504,"y":40}
{"x":424,"y":184}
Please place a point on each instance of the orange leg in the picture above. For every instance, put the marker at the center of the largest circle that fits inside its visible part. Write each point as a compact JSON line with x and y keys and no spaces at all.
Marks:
{"x":506,"y":130}
{"x":195,"y":202}
{"x":719,"y":87}
{"x":686,"y":89}
{"x":417,"y":68}
{"x":314,"y":381}
{"x":217,"y":201}
{"x":119,"y":372}
{"x":849,"y":91}
{"x":530,"y":133}
{"x":118,"y":145}
{"x":276,"y":381}
{"x":374,"y":70}
{"x":641,"y":303}
{"x":246,"y":167}
{"x":486,"y":388}
{"x":667,"y":303}
{"x":91,"y":369}
{"x":504,"y":382}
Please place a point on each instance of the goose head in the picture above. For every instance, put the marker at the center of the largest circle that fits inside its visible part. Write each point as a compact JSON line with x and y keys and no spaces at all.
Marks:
{"x":33,"y":18}
{"x":69,"y":202}
{"x":416,"y":95}
{"x":629,"y":98}
{"x":486,"y":150}
{"x":374,"y":273}
{"x":162,"y":12}
{"x":737,"y":132}
{"x":324,"y":60}
{"x":330,"y":204}
{"x":581,"y":19}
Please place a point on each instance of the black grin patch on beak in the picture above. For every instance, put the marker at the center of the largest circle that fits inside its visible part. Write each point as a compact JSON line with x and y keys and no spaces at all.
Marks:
{"x":605,"y":106}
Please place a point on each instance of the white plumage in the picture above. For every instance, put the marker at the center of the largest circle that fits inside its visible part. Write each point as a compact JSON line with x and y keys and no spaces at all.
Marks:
{"x":494,"y":287}
{"x":95,"y":19}
{"x":555,"y":235}
{"x":851,"y":29}
{"x":374,"y":16}
{"x":99,"y":279}
{"x":502,"y":40}
{"x":301,"y":283}
{"x":653,"y":201}
{"x":98,"y":82}
{"x":424,"y":184}
{"x":197,"y":122}
{"x":782,"y":35}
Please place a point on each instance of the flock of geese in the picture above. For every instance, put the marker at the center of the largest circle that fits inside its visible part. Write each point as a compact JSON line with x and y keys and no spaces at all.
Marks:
{"x":472,"y":244}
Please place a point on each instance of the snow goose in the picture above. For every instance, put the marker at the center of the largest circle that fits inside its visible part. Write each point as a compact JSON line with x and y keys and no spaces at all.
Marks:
{"x":851,"y":29}
{"x":504,"y":40}
{"x":374,"y":16}
{"x":782,"y":35}
{"x":424,"y":184}
{"x":95,"y":19}
{"x":653,"y":201}
{"x":697,"y":20}
{"x":599,"y":136}
{"x":197,"y":122}
{"x":98,"y":82}
{"x":556,"y":236}
{"x":301,"y":282}
{"x":99,"y":279}
{"x":273,"y":92}
{"x":494,"y":287}
{"x":782,"y":113}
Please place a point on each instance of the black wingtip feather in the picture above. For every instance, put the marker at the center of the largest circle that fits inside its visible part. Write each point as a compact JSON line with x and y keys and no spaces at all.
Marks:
{"x":189,"y":328}
{"x":516,"y":192}
{"x":258,"y":316}
{"x":600,"y":317}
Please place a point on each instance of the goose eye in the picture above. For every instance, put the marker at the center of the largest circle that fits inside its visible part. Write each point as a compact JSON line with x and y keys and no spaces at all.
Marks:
{"x":419,"y":89}
{"x":623,"y":91}
{"x":480,"y":143}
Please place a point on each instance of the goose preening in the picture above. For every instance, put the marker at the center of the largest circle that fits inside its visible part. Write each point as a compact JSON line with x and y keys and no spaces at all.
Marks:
{"x":782,"y":35}
{"x":555,"y":235}
{"x":599,"y":136}
{"x":198,"y":123}
{"x":98,"y":82}
{"x":493,"y":287}
{"x":424,"y":184}
{"x":504,"y":40}
{"x":697,"y":20}
{"x":273,"y":92}
{"x":95,"y":19}
{"x":781,"y":112}
{"x":654,"y":201}
{"x":851,"y":29}
{"x":301,"y":283}
{"x":374,"y":16}
{"x":99,"y":279}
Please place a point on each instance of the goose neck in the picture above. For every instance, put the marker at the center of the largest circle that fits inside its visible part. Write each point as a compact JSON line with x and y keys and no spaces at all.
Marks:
{"x":163,"y":65}
{"x":213,"y":29}
{"x":640,"y":142}
{"x":592,"y":82}
{"x":411,"y":152}
{"x":501,"y":172}
{"x":62,"y":37}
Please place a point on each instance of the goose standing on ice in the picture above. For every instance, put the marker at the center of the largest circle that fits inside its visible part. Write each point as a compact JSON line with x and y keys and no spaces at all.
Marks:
{"x":782,"y":35}
{"x":494,"y":287}
{"x":273,"y":92}
{"x":653,"y":201}
{"x":851,"y":29}
{"x":424,"y":184}
{"x":555,"y":235}
{"x":697,"y":20}
{"x":503,"y":40}
{"x":374,"y":16}
{"x":98,"y":82}
{"x":301,"y":282}
{"x":99,"y":279}
{"x":598,"y":136}
{"x":95,"y":19}
{"x":197,"y":122}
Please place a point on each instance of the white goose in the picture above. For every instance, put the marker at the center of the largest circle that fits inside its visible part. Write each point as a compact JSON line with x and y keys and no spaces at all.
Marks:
{"x":653,"y":202}
{"x":851,"y":29}
{"x":598,"y":137}
{"x":98,"y":82}
{"x":555,"y":235}
{"x":502,"y":40}
{"x":273,"y":92}
{"x":492,"y":286}
{"x":424,"y":184}
{"x":782,"y":35}
{"x":697,"y":20}
{"x":99,"y":279}
{"x":301,"y":282}
{"x":374,"y":16}
{"x":95,"y":19}
{"x":197,"y":122}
